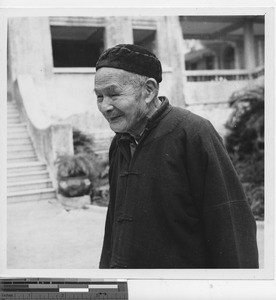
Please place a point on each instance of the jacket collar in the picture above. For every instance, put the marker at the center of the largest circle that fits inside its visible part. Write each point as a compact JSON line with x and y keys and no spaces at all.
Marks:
{"x":164,"y":108}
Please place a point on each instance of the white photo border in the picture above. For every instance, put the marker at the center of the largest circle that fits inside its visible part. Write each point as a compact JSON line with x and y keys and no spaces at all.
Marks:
{"x":201,"y":277}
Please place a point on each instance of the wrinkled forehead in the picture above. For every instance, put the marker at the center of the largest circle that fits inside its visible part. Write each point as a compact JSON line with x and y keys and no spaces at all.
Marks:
{"x":106,"y":74}
{"x":111,"y":78}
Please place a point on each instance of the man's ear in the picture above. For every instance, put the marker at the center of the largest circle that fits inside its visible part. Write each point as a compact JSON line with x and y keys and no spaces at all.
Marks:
{"x":151,"y":89}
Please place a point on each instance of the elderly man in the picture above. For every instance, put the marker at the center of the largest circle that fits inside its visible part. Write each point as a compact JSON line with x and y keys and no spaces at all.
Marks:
{"x":175,"y":198}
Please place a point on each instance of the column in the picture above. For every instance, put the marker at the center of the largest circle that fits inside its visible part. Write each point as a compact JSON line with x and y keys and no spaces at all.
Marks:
{"x":236,"y":57}
{"x":162,"y":39}
{"x":118,"y":31}
{"x":260,"y":44}
{"x":30,"y":49}
{"x":170,"y":51}
{"x":249,"y":46}
{"x":239,"y":55}
{"x":216,"y":62}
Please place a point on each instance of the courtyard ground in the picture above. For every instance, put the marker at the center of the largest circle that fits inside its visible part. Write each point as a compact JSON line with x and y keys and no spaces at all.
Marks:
{"x":43,"y":235}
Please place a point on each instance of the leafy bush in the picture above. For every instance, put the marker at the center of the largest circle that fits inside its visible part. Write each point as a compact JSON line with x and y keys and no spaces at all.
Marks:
{"x":83,"y":172}
{"x":245,"y":143}
{"x":78,"y":165}
{"x":83,"y":143}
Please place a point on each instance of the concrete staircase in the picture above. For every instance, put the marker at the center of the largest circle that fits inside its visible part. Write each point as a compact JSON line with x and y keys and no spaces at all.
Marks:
{"x":27,"y":177}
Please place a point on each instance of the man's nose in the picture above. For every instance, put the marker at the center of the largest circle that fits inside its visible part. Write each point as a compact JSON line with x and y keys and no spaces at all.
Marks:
{"x":106,"y":105}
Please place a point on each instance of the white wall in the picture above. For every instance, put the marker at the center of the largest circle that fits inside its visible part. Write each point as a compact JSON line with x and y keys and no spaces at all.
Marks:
{"x":211,"y":91}
{"x":70,"y":96}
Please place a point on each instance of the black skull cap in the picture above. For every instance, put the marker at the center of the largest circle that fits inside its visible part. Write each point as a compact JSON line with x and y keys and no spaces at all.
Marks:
{"x":131,"y":58}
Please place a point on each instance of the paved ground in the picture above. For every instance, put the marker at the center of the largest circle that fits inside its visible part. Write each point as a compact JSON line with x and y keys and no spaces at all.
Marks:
{"x":42,"y":235}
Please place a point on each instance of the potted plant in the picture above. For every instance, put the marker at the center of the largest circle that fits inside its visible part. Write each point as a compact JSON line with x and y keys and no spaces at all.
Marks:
{"x":84,"y":144}
{"x":77,"y":173}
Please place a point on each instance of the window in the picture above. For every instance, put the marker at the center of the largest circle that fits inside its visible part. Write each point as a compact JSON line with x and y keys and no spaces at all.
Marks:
{"x":209,"y":60}
{"x":76,"y":46}
{"x":145,"y":38}
{"x":229,"y":57}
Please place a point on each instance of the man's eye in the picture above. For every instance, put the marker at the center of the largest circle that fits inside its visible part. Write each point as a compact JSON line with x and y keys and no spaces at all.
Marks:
{"x":99,"y":98}
{"x":114,"y":95}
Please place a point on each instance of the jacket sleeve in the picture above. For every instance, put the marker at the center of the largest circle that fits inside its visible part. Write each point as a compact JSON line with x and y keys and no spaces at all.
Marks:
{"x":107,"y":245}
{"x":229,"y":226}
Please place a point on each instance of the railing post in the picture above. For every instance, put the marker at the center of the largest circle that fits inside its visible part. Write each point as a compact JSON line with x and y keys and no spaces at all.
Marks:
{"x":249,"y":46}
{"x":61,"y":140}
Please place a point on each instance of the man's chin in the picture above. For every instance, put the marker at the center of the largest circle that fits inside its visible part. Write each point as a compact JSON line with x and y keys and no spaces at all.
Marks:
{"x":116,"y":128}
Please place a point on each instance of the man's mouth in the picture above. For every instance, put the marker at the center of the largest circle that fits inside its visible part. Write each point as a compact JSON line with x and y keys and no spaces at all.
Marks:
{"x":114,"y":118}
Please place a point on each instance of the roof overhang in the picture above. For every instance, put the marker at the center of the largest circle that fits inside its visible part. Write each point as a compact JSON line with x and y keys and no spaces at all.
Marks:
{"x":217,"y":27}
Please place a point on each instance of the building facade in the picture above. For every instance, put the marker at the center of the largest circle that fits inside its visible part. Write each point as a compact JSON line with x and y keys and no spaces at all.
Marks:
{"x":51,"y":67}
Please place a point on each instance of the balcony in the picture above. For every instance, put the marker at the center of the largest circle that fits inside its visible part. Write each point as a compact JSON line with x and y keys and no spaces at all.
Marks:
{"x":216,"y":86}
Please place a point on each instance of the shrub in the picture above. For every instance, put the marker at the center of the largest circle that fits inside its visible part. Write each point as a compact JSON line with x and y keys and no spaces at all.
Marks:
{"x":245,"y":143}
{"x":78,"y":165}
{"x":83,"y":143}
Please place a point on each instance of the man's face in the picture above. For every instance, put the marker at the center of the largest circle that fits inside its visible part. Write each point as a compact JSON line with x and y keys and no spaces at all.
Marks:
{"x":119,"y":101}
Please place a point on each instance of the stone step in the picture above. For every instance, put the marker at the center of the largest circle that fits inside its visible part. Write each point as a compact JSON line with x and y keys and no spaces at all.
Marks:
{"x":36,"y":175}
{"x":12,"y":116}
{"x":19,"y":153}
{"x":17,"y":131}
{"x":15,"y":134}
{"x":15,"y":168}
{"x":16,"y":147}
{"x":11,"y":104}
{"x":16,"y":126}
{"x":13,"y":112}
{"x":13,"y":121}
{"x":28,"y":196}
{"x":12,"y":108}
{"x":29,"y":185}
{"x":21,"y":158}
{"x":20,"y":141}
{"x":27,"y":178}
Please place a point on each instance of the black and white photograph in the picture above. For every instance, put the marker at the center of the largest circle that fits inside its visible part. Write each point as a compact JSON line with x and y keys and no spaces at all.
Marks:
{"x":138,"y":141}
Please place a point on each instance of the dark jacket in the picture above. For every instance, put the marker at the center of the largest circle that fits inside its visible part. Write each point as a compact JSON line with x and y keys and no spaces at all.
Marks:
{"x":177,"y":202}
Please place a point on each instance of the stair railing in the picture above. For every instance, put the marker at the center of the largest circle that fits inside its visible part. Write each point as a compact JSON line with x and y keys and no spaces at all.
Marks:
{"x":50,"y":140}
